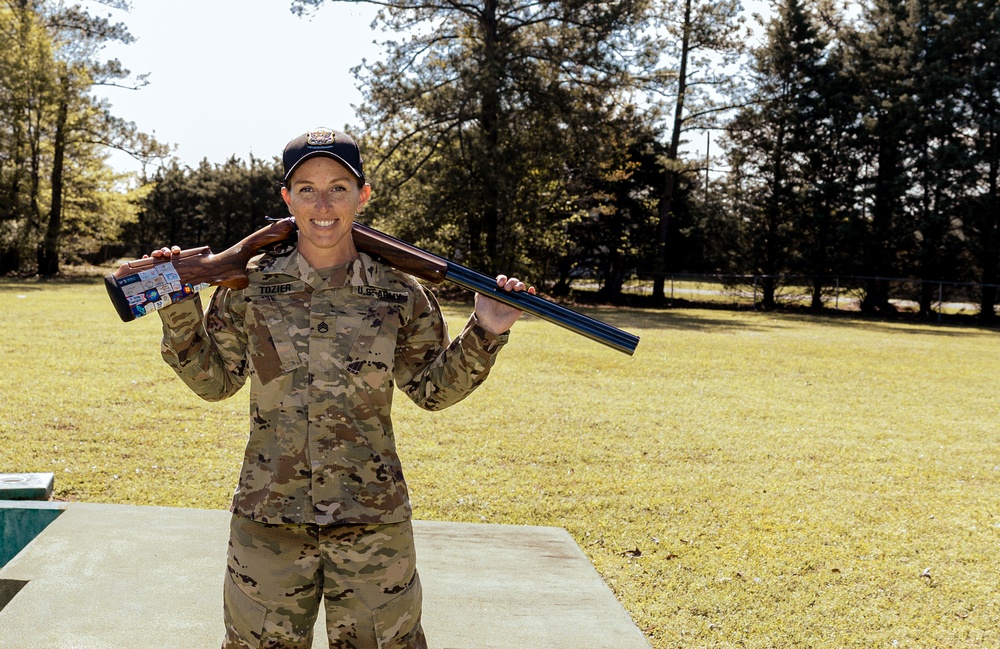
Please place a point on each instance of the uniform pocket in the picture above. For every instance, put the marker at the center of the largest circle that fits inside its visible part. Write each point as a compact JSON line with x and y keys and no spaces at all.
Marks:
{"x":373,"y":349}
{"x":272,"y":351}
{"x":365,"y":347}
{"x":244,"y":617}
{"x":397,"y":622}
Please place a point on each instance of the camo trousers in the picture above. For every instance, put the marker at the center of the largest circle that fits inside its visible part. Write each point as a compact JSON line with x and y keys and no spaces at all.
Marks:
{"x":366,"y":575}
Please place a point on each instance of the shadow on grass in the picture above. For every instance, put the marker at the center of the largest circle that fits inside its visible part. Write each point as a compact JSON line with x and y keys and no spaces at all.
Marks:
{"x":23,"y":284}
{"x":680,"y":315}
{"x":951,"y":326}
{"x":695,"y":316}
{"x":902,"y":322}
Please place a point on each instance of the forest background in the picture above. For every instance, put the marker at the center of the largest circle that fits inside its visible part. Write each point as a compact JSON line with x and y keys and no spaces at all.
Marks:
{"x":853,"y":140}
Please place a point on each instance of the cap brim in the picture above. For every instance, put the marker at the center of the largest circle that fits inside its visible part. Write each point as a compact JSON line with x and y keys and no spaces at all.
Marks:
{"x":314,"y":154}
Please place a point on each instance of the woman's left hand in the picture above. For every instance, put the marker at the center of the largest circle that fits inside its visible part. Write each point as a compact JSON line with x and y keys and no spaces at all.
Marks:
{"x":496,"y":316}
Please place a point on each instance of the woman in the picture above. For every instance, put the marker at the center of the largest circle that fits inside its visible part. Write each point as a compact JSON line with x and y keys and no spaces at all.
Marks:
{"x":324,"y":332}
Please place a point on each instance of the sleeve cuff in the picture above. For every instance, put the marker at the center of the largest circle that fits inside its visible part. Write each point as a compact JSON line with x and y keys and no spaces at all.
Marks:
{"x":489,"y":341}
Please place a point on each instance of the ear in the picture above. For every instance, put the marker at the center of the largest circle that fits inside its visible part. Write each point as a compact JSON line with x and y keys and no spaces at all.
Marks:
{"x":287,"y":198}
{"x":365,"y":194}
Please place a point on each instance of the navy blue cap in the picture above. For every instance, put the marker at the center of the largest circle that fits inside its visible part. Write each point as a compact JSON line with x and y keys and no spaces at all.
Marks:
{"x":323,"y":142}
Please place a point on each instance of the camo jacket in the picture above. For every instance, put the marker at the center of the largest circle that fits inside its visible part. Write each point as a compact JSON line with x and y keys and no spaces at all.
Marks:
{"x":322,"y":356}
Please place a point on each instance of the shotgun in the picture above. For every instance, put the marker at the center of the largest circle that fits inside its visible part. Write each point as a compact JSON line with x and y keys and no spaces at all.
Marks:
{"x":145,"y":285}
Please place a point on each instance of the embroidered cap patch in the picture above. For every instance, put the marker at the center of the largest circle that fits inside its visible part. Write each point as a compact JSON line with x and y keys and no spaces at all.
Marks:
{"x":320,"y":137}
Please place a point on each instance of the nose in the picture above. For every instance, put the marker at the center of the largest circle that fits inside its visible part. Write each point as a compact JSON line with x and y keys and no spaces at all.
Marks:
{"x":323,"y":200}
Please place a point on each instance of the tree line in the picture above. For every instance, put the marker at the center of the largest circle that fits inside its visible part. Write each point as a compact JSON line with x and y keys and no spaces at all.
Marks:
{"x":552,"y":138}
{"x":871,"y":148}
{"x":57,"y":194}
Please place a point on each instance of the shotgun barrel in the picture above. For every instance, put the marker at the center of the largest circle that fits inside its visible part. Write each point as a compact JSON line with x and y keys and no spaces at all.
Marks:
{"x":433,"y":268}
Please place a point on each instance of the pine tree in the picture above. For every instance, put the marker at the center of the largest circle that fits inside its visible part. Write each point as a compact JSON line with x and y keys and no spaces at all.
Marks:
{"x":774,"y":142}
{"x":479,"y":115}
{"x":977,"y":30}
{"x":881,"y":60}
{"x":699,"y":40}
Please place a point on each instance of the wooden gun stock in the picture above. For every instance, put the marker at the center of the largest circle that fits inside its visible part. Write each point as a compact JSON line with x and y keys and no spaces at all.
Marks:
{"x":146,"y":285}
{"x":399,"y":254}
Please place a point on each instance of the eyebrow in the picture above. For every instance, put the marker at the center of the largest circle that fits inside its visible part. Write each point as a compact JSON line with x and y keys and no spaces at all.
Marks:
{"x":305,"y":181}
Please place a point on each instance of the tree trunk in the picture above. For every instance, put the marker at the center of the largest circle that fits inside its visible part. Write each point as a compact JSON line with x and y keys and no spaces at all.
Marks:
{"x":988,"y":304}
{"x":48,"y":253}
{"x":768,"y":286}
{"x":817,"y":295}
{"x":483,"y":236}
{"x":879,"y":250}
{"x":670,"y":173}
{"x":774,"y":212}
{"x":926,"y":299}
{"x":990,"y":261}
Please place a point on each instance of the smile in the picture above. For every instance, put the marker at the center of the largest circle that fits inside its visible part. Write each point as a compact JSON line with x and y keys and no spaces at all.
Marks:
{"x":324,"y":224}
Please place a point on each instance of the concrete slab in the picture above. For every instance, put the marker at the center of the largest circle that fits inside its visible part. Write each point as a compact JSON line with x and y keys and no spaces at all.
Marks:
{"x":113,"y":576}
{"x":26,"y":486}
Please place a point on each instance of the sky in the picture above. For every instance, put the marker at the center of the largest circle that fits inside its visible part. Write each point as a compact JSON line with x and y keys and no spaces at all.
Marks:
{"x":242,"y":77}
{"x":237,"y":77}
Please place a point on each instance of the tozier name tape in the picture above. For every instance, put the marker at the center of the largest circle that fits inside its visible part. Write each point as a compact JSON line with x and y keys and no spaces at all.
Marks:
{"x":154,"y":288}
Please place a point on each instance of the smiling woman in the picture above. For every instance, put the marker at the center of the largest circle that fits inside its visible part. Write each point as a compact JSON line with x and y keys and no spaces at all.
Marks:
{"x":324,"y":189}
{"x":324,"y":335}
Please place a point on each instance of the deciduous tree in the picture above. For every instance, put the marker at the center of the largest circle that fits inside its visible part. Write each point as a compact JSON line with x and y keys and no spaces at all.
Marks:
{"x":57,"y":132}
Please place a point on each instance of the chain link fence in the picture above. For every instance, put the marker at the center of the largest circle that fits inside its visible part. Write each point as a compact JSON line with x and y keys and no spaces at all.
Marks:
{"x":846,"y":294}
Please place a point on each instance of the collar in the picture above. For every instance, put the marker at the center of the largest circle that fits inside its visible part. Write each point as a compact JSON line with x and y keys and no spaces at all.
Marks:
{"x":362,"y":271}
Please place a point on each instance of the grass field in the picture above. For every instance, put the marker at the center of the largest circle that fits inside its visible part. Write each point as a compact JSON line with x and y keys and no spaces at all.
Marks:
{"x":745,"y":480}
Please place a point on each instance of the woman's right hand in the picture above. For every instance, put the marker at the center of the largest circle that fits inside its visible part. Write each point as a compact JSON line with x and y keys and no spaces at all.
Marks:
{"x":164,"y":252}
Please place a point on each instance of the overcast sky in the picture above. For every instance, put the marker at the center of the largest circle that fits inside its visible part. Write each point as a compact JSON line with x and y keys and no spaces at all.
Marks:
{"x":238,"y":76}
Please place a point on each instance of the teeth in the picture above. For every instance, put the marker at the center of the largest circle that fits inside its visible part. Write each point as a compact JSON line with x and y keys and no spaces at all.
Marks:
{"x":323,"y":224}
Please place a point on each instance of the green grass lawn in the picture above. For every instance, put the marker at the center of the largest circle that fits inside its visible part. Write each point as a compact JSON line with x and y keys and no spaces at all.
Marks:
{"x":745,"y":480}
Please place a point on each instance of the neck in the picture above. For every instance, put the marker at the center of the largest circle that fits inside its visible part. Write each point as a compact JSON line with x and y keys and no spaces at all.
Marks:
{"x":328,"y":257}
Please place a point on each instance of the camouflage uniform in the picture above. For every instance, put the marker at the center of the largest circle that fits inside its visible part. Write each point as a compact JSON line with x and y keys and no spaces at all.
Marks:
{"x":322,"y":356}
